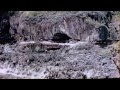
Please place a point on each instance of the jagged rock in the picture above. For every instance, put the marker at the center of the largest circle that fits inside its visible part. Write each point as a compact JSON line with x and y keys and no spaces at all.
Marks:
{"x":71,"y":60}
{"x":46,"y":28}
{"x":98,"y":16}
{"x":71,"y":24}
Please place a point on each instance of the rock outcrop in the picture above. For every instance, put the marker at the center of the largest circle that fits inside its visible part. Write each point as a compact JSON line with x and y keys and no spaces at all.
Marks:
{"x":76,"y":25}
{"x":35,"y":55}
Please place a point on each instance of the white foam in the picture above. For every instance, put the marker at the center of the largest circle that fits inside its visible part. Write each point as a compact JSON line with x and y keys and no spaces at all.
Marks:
{"x":27,"y":42}
{"x":18,"y":73}
{"x":7,"y":49}
{"x":89,"y":73}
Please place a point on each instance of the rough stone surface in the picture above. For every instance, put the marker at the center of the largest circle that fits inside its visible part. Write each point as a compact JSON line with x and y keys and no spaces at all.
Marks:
{"x":34,"y":55}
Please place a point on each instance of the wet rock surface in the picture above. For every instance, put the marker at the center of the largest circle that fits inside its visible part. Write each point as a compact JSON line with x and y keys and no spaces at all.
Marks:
{"x":35,"y":55}
{"x":65,"y":63}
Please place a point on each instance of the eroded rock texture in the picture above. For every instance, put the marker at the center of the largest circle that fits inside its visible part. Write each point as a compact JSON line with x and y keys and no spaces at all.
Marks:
{"x":61,"y":45}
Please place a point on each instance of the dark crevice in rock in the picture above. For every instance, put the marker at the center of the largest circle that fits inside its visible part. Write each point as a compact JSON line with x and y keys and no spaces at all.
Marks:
{"x":5,"y":36}
{"x":103,"y":36}
{"x":60,"y":38}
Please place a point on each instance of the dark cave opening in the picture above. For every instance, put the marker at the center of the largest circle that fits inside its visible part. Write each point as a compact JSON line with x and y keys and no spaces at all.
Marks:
{"x":60,"y":38}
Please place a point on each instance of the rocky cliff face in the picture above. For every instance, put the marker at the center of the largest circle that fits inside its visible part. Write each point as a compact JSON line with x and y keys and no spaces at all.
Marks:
{"x":35,"y":55}
{"x":78,"y":25}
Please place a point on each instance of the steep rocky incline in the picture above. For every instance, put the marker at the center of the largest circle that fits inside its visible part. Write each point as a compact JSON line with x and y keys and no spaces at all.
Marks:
{"x":77,"y":25}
